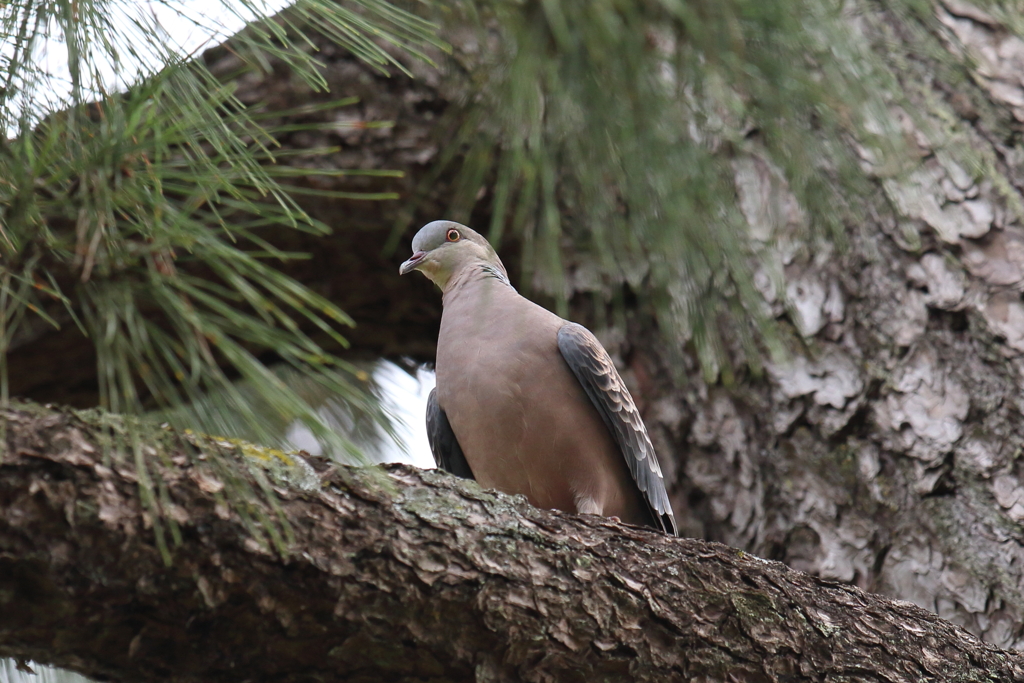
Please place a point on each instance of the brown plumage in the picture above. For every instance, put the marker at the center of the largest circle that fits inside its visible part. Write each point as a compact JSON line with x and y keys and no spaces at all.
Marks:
{"x":527,"y":402}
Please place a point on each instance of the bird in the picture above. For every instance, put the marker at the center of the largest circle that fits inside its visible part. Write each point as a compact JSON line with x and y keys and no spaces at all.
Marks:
{"x":526,"y":402}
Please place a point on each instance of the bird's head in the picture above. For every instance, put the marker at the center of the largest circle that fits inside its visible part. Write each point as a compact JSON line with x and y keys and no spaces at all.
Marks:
{"x":443,"y":248}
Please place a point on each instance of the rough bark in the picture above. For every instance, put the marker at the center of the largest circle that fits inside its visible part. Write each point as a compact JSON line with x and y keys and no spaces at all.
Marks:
{"x":410,"y":576}
{"x":886,"y":453}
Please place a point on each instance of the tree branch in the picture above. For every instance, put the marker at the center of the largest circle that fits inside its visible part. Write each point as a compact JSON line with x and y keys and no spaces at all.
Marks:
{"x":398,"y":574}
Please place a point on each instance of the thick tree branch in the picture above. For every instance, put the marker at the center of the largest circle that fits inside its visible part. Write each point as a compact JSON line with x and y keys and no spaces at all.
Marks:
{"x":405,"y":576}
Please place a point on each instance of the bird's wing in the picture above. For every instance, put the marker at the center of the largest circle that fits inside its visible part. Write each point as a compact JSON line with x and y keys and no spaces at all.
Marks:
{"x":443,"y":444}
{"x":593,"y":368}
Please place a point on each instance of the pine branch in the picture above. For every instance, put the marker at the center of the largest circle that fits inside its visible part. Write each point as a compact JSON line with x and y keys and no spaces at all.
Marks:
{"x":139,"y":219}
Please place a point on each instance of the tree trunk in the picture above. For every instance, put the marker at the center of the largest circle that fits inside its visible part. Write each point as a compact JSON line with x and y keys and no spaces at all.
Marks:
{"x":886,"y":452}
{"x":405,"y":575}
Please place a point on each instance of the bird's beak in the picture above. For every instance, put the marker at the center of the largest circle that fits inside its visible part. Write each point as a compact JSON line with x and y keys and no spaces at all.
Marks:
{"x":411,"y":264}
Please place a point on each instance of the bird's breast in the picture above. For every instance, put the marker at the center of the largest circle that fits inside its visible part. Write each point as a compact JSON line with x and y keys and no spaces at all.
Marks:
{"x":521,"y":417}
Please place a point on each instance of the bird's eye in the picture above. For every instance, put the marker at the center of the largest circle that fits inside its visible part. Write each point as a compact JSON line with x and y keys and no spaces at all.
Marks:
{"x":454,"y":236}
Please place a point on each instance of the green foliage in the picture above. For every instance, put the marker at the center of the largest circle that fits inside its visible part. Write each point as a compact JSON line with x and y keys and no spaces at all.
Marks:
{"x":142,"y":217}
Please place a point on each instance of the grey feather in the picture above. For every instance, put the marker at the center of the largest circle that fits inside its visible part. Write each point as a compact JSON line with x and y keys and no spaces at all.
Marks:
{"x":595,"y":371}
{"x":443,"y":444}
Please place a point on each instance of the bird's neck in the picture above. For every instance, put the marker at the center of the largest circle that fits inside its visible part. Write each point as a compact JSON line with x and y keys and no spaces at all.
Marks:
{"x":473,"y":277}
